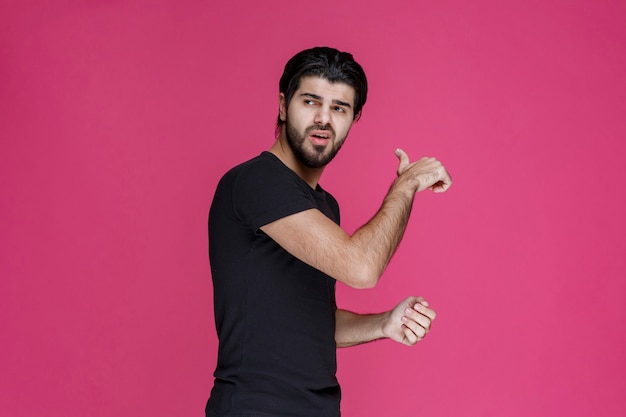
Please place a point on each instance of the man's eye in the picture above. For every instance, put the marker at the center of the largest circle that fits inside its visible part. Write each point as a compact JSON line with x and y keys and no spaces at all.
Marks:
{"x":339,"y":109}
{"x":309,"y":102}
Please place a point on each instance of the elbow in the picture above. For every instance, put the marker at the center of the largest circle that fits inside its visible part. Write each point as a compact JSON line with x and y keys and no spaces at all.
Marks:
{"x":364,"y":284}
{"x":364,"y":278}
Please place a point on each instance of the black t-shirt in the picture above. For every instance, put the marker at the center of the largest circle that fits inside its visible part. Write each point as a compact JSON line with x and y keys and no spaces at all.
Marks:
{"x":275,"y":315}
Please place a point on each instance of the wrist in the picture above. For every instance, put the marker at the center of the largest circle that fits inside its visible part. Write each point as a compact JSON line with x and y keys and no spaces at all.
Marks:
{"x":404,"y":187}
{"x":385,"y":319}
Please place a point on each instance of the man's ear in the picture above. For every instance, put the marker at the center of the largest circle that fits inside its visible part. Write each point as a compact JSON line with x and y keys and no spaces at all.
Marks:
{"x":357,"y":116}
{"x":282,"y":107}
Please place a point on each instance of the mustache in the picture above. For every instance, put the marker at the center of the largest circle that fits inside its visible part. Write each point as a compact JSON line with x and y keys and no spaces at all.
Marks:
{"x":320,"y":127}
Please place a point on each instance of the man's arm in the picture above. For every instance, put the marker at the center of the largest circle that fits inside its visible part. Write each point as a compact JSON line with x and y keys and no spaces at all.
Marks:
{"x":407,"y":323}
{"x":359,"y":260}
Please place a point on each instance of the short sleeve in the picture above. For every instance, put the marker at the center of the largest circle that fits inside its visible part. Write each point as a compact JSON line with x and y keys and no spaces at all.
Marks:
{"x":268,"y":192}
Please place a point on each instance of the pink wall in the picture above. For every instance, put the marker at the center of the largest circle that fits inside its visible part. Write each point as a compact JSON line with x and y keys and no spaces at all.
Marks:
{"x":117,"y":118}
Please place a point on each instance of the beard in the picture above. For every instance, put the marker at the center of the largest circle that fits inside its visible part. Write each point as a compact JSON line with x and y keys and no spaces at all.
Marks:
{"x":320,"y":155}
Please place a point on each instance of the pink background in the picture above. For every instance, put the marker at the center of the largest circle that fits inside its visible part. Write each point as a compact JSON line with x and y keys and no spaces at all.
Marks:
{"x":117,"y":119}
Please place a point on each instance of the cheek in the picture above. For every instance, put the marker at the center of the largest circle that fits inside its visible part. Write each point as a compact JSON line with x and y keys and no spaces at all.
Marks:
{"x":343,"y":130}
{"x":301,"y":119}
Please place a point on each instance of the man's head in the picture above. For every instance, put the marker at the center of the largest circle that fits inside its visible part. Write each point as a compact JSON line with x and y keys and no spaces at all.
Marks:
{"x":328,"y":63}
{"x":322,"y":92}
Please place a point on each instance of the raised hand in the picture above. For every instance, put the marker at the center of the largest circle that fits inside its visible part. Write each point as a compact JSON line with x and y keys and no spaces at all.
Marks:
{"x":425,"y":173}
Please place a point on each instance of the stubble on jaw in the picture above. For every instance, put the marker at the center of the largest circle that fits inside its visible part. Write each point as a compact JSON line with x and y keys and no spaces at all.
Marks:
{"x":296,"y":142}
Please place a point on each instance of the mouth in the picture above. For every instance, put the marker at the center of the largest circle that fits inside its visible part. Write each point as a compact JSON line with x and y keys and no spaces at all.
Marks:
{"x":320,"y":137}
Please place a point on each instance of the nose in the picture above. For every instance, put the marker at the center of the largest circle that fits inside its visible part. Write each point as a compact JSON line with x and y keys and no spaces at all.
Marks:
{"x":322,"y":116}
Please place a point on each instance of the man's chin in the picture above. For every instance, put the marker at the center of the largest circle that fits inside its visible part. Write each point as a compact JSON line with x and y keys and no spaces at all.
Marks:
{"x":319,"y":160}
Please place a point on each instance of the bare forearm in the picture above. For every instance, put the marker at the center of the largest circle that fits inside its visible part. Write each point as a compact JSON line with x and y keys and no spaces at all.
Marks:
{"x":379,"y":238}
{"x":354,"y":329}
{"x":407,"y":323}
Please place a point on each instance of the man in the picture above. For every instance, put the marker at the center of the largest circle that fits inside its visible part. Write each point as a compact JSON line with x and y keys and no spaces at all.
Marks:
{"x":276,"y":249}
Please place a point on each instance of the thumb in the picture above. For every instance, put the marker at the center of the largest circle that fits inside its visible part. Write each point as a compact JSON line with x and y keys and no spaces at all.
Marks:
{"x":417,"y":300}
{"x":404,"y":160}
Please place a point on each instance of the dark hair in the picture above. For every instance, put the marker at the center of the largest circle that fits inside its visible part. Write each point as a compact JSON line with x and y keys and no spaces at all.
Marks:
{"x":328,"y":63}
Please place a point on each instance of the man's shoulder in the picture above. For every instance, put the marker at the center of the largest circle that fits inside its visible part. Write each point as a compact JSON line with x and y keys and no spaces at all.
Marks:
{"x":254,"y":166}
{"x":261,"y":171}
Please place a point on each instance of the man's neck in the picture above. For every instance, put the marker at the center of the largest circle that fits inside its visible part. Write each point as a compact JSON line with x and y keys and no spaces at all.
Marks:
{"x":282,"y":151}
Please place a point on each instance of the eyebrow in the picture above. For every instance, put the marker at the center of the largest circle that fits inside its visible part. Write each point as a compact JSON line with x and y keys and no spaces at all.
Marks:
{"x":335,"y":101}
